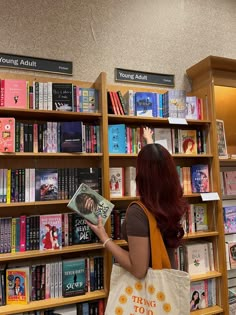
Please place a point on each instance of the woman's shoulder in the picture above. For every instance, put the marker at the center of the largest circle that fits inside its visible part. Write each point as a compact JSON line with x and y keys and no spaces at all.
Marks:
{"x":135,"y":211}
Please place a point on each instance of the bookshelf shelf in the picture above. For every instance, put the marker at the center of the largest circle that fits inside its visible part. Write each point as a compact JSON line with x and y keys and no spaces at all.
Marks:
{"x":200,"y":234}
{"x":49,"y":155}
{"x":208,"y":311}
{"x":50,"y":303}
{"x":150,"y":120}
{"x":47,"y":114}
{"x":45,"y":253}
{"x":208,"y":275}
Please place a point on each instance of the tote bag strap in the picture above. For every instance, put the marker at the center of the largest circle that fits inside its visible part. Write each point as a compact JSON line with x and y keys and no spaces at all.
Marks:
{"x":160,"y":258}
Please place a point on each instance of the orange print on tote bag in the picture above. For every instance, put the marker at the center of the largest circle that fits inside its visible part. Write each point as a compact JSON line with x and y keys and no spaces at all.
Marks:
{"x":162,"y":291}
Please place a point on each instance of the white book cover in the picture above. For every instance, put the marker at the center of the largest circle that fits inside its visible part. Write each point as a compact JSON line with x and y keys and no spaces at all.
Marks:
{"x":67,"y":310}
{"x":32,"y":184}
{"x":197,"y":258}
{"x":45,"y":95}
{"x":116,"y":181}
{"x":163,"y":136}
{"x":130,"y":182}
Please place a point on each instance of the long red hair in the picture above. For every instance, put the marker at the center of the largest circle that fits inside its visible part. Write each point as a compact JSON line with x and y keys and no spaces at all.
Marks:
{"x":160,"y":191}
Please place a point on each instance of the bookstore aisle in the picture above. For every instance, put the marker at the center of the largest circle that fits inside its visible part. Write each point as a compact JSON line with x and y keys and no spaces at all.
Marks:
{"x":216,"y":77}
{"x":66,"y":132}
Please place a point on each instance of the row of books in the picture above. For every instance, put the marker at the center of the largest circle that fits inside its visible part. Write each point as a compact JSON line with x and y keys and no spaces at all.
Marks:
{"x":173,"y":103}
{"x":202,"y":294}
{"x":29,"y":185}
{"x":228,"y":182}
{"x":47,"y":96}
{"x":50,"y":137}
{"x":122,"y":181}
{"x":195,"y":257}
{"x":43,"y":232}
{"x":126,"y":139}
{"x":94,"y":307}
{"x":194,"y":178}
{"x":51,"y":279}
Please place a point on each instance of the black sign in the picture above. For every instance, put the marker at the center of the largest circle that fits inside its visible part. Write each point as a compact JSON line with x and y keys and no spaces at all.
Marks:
{"x":35,"y":64}
{"x":144,"y":77}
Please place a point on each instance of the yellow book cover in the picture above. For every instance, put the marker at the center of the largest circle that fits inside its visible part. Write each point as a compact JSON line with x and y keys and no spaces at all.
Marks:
{"x":187,"y":141}
{"x":17,"y":288}
{"x":8,"y":186}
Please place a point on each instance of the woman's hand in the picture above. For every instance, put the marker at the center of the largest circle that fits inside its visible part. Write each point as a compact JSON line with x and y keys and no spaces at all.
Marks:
{"x":147,"y":134}
{"x":99,"y":229}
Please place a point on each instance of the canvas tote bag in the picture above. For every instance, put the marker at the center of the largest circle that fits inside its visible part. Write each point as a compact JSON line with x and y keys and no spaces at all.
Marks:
{"x":162,"y":291}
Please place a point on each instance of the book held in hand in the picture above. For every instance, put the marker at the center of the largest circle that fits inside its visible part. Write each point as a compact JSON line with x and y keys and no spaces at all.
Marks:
{"x":89,"y":204}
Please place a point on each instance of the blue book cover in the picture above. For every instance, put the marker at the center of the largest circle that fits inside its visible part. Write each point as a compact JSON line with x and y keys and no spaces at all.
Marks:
{"x":46,"y":184}
{"x":145,"y":103}
{"x":73,"y":277}
{"x":117,"y":138}
{"x":88,"y":100}
{"x":200,"y":178}
{"x":71,"y":136}
{"x":230,"y":219}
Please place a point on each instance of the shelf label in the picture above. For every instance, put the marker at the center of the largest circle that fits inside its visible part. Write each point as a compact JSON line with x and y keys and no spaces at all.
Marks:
{"x":177,"y":121}
{"x":210,"y":196}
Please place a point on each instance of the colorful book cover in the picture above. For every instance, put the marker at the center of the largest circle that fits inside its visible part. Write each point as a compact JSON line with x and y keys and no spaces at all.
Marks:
{"x":198,"y":295}
{"x":17,"y":286}
{"x":177,"y":103}
{"x":229,"y":219}
{"x":50,"y":231}
{"x":200,"y":178}
{"x":46,"y":184}
{"x":89,"y":204}
{"x":117,"y":138}
{"x":7,"y":134}
{"x":116,"y":181}
{"x":191,"y":107}
{"x":88,"y":100}
{"x":14,"y":93}
{"x":71,"y":136}
{"x":232,"y":254}
{"x":229,"y":182}
{"x":144,"y":104}
{"x":187,"y":141}
{"x":221,"y":140}
{"x":200,"y":215}
{"x":73,"y":277}
{"x":62,"y":97}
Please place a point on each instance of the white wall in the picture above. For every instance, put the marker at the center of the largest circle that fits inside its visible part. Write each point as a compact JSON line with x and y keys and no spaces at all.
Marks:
{"x":163,"y":36}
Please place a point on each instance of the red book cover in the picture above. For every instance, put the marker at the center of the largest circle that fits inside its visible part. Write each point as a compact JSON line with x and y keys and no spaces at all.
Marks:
{"x":118,"y":103}
{"x":7,"y":134}
{"x":14,"y":93}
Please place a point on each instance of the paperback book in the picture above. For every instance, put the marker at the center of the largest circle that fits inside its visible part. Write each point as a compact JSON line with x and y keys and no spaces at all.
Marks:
{"x":17,"y":286}
{"x":46,"y":184}
{"x":89,"y":204}
{"x":50,"y":231}
{"x":73,"y":277}
{"x":7,"y":134}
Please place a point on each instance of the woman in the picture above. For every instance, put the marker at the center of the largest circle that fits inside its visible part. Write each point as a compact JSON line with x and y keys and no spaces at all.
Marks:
{"x":160,"y":191}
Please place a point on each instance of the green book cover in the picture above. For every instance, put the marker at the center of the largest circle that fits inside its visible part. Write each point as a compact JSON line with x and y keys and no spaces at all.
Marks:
{"x":89,"y":204}
{"x":73,"y":277}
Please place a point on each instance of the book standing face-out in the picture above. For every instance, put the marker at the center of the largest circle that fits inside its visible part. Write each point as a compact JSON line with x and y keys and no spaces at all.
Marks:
{"x":17,"y":286}
{"x":89,"y":204}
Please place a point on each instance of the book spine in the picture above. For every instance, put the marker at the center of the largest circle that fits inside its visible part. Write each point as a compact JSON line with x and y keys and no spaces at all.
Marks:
{"x":2,"y":93}
{"x":22,"y":233}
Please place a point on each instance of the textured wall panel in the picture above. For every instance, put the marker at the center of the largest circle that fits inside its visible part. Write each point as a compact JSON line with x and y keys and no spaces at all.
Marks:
{"x":165,"y":36}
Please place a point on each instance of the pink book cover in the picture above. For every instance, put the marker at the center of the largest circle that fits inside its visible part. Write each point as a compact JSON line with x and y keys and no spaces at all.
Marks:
{"x":22,"y":233}
{"x":14,"y":93}
{"x":51,"y":231}
{"x":230,"y":182}
{"x":7,"y":134}
{"x":232,"y":254}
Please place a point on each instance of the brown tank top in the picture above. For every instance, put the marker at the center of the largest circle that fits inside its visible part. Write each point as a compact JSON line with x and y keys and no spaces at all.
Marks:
{"x":136,"y":224}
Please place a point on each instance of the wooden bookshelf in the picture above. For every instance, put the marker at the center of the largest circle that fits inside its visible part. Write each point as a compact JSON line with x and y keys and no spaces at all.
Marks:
{"x":55,"y":160}
{"x":215,"y":79}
